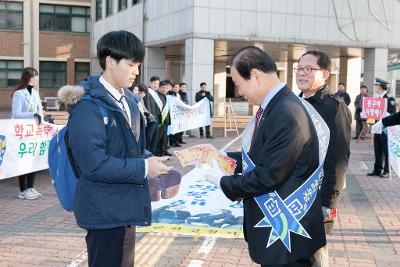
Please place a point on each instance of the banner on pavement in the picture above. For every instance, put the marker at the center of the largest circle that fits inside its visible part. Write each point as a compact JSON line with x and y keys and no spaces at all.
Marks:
{"x":199,"y":209}
{"x":373,"y":107}
{"x":393,"y":134}
{"x":24,"y":146}
{"x":185,"y":117}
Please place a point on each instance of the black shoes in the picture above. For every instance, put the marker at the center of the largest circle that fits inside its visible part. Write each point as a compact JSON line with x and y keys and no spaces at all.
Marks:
{"x":385,"y":175}
{"x":374,"y":173}
{"x":209,"y":136}
{"x":166,"y":153}
{"x":182,"y":142}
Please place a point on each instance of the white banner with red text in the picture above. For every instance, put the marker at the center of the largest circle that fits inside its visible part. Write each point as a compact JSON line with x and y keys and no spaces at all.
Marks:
{"x":24,"y":146}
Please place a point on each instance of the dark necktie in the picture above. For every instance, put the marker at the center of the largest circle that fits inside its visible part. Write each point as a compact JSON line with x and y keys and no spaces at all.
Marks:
{"x":135,"y":129}
{"x":123,"y":107}
{"x":258,"y":118}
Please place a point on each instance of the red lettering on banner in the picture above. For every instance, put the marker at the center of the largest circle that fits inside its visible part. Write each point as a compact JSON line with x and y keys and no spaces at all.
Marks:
{"x":29,"y":131}
{"x":39,"y":130}
{"x":19,"y":130}
{"x":374,"y":108}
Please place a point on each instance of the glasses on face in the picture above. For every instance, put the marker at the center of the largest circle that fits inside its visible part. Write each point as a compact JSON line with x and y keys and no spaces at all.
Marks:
{"x":306,"y":70}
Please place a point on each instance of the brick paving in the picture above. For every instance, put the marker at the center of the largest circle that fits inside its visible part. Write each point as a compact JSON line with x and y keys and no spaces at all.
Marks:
{"x":367,"y":233}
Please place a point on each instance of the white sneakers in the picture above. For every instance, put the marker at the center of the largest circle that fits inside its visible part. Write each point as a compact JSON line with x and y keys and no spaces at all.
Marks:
{"x":29,"y":193}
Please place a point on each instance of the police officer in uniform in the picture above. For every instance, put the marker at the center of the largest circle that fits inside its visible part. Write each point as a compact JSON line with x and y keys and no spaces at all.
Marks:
{"x":380,"y":140}
{"x":311,"y":74}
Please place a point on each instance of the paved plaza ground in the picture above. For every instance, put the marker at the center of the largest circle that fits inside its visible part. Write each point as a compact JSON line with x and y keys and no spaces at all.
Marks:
{"x":367,"y":233}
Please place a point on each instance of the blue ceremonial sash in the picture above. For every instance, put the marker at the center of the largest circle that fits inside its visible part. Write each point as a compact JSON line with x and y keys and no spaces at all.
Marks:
{"x":284,"y":215}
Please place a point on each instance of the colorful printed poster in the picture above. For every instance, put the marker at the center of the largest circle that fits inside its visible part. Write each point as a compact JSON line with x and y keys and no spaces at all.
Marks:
{"x":373,"y":107}
{"x":24,"y":146}
{"x":393,"y":134}
{"x":185,"y":117}
{"x":199,"y":208}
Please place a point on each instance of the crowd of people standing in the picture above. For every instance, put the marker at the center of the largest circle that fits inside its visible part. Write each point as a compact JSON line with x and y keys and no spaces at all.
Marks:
{"x":153,"y":103}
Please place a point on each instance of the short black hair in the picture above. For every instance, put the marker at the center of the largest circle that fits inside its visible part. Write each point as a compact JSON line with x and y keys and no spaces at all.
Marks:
{"x":363,"y":86}
{"x":324,"y":61}
{"x":202,"y":83}
{"x":251,"y":57}
{"x":154,"y":78}
{"x":165,"y":82}
{"x":119,"y":45}
{"x":182,"y":84}
{"x":342,"y":84}
{"x":142,"y":88}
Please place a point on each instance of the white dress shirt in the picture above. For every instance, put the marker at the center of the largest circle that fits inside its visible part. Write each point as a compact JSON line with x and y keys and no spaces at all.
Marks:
{"x":118,"y":97}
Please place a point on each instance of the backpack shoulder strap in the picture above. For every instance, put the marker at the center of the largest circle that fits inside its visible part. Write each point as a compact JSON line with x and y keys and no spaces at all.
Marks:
{"x":102,"y":109}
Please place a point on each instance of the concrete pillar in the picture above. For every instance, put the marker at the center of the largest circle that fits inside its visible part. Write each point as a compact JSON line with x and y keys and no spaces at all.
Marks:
{"x":289,"y":74}
{"x":199,"y":65}
{"x":31,"y":35}
{"x":333,"y":81}
{"x":375,"y":66}
{"x":343,"y":70}
{"x":219,"y":88}
{"x":154,"y":63}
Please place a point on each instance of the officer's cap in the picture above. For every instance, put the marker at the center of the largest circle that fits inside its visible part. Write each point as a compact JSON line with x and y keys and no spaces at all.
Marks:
{"x":381,"y":82}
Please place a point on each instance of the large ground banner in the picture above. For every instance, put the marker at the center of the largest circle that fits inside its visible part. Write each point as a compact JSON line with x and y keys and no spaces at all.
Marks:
{"x":185,"y":117}
{"x":24,"y":146}
{"x":394,"y":148}
{"x":200,"y":209}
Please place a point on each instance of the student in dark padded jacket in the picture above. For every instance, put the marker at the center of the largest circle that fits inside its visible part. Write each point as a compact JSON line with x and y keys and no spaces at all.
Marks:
{"x":112,"y":195}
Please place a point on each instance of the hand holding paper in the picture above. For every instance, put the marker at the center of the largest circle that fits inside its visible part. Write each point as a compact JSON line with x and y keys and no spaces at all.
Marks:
{"x":212,"y":173}
{"x":377,"y":128}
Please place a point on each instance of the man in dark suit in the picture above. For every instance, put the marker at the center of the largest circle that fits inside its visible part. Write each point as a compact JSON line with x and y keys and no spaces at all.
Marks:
{"x":199,"y":96}
{"x":150,"y":102}
{"x":164,"y":119}
{"x":285,"y":152}
{"x":312,"y":71}
{"x":360,"y":122}
{"x":380,"y":140}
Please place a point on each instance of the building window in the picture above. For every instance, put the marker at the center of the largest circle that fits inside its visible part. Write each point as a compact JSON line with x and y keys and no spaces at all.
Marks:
{"x":122,"y":4}
{"x":82,"y":71}
{"x":109,"y":7}
{"x":134,"y":2}
{"x":52,"y":74}
{"x":397,"y":88}
{"x":99,"y":9}
{"x":11,"y":16}
{"x":64,"y":18}
{"x":10,"y":73}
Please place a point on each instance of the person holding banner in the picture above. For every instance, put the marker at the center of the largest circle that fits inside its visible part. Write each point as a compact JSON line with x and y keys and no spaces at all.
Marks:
{"x":311,"y":74}
{"x":112,"y":194}
{"x":184,"y":98}
{"x":26,"y":104}
{"x":280,"y":152}
{"x":174,"y":138}
{"x":380,"y":140}
{"x":164,"y":119}
{"x":360,"y":122}
{"x":199,"y":96}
